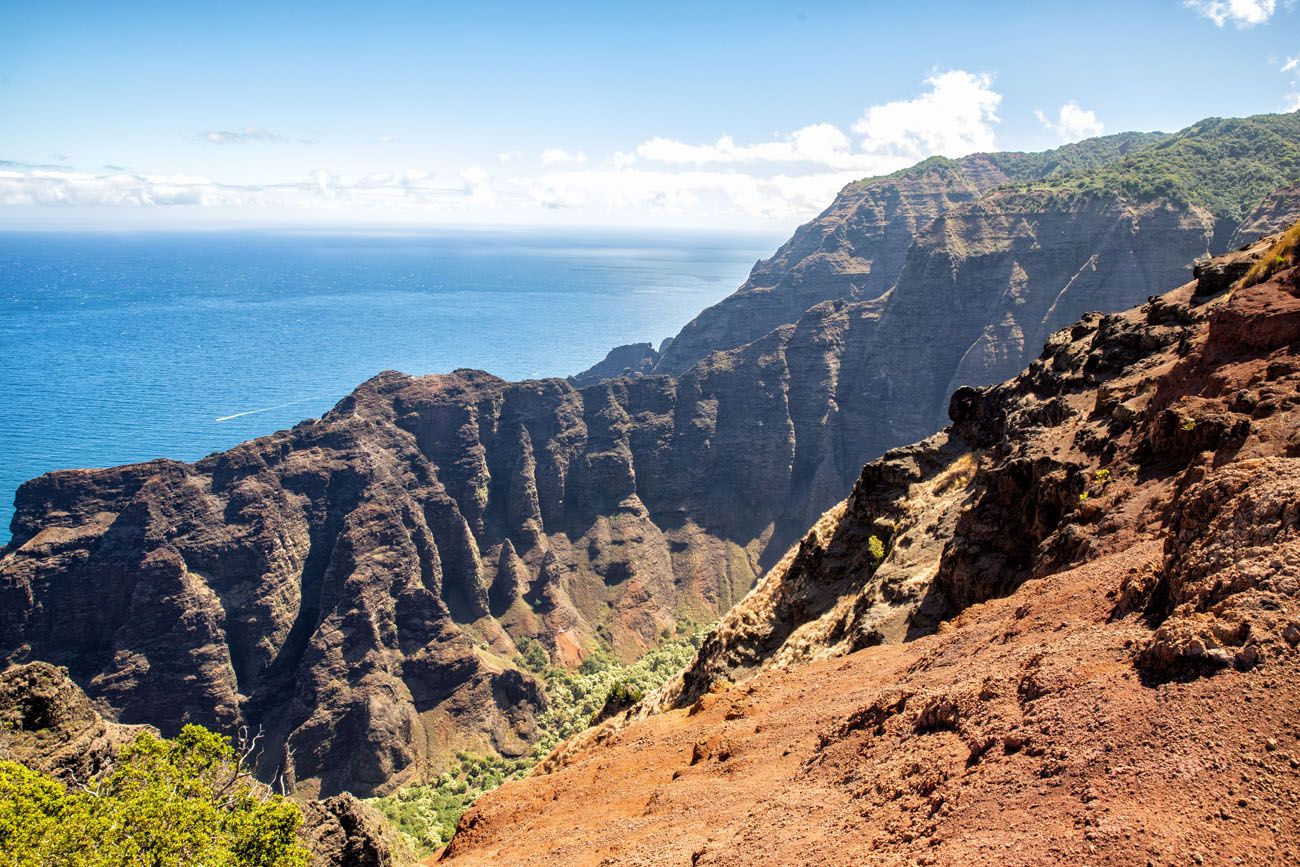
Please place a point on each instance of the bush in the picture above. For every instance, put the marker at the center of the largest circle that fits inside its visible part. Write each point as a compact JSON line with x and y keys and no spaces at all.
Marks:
{"x":1283,"y":254}
{"x":875,"y":550}
{"x":184,"y":801}
{"x":623,"y":695}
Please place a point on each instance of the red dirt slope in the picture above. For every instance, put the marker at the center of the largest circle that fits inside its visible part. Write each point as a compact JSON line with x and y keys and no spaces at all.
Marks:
{"x":1133,"y":700}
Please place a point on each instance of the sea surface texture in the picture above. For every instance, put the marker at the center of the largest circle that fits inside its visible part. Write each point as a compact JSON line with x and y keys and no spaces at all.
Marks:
{"x":126,"y":347}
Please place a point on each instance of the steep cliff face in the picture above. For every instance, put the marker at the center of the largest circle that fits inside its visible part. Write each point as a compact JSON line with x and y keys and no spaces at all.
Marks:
{"x":1081,"y":451}
{"x":353,"y":585}
{"x":1066,"y":628}
{"x":856,"y":248}
{"x":1279,"y":209}
{"x":986,"y":283}
{"x":853,"y":250}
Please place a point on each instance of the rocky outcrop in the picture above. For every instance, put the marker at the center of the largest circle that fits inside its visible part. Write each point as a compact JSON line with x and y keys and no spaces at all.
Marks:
{"x":1133,"y":407}
{"x":345,"y":832}
{"x":1065,"y":629}
{"x":48,"y":724}
{"x":632,"y":359}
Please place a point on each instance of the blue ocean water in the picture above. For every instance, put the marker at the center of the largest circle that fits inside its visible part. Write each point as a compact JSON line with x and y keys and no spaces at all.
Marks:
{"x":125,"y":347}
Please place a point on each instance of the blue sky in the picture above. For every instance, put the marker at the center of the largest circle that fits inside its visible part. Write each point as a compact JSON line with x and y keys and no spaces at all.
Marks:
{"x":678,"y":114}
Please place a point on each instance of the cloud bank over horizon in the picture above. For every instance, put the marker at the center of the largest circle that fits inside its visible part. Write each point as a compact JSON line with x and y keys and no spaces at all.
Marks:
{"x":790,"y":176}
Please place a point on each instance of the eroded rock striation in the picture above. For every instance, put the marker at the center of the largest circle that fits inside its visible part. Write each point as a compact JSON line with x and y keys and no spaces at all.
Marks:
{"x":1065,"y":628}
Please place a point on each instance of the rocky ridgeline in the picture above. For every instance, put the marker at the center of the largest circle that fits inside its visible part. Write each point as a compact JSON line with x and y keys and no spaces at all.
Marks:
{"x":356,"y":586}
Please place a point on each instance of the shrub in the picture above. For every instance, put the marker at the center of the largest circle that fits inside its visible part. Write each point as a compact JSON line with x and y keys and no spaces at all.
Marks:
{"x":184,"y":801}
{"x":1283,"y":254}
{"x":623,"y":694}
{"x":875,"y":549}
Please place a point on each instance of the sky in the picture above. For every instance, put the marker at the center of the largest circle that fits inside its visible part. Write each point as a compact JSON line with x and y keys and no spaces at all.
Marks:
{"x":722,"y":115}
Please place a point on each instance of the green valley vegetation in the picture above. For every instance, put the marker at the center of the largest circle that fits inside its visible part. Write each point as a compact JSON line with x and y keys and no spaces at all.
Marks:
{"x":163,"y":802}
{"x":426,"y":815}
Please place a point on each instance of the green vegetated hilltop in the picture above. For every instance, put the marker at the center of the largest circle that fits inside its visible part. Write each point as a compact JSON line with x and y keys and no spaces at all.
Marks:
{"x":1225,"y":165}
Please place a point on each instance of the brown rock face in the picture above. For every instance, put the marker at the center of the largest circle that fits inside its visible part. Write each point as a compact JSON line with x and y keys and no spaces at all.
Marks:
{"x":1079,"y":638}
{"x":345,"y":832}
{"x":48,"y":724}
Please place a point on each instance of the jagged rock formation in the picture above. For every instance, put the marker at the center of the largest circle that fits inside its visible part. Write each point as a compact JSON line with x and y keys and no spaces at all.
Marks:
{"x":356,"y":585}
{"x":48,"y":724}
{"x":343,"y":831}
{"x":1079,"y":638}
{"x":628,"y":360}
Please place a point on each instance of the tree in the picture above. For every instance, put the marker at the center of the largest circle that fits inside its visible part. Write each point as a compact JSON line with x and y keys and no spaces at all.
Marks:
{"x":165,"y":803}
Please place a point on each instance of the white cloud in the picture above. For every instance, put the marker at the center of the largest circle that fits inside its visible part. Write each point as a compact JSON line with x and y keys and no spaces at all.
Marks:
{"x":478,"y":187}
{"x":1242,"y":13}
{"x":242,"y":136}
{"x":1072,"y":122}
{"x":695,"y":191}
{"x":319,"y":189}
{"x":819,"y":143}
{"x":559,"y":156}
{"x":784,"y":177}
{"x":1291,"y":67}
{"x":956,"y":117}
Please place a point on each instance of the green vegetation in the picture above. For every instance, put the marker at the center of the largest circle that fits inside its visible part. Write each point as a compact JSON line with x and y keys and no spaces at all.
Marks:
{"x":185,"y":801}
{"x":1077,"y":157}
{"x":875,"y":549}
{"x":1226,"y":166}
{"x":1283,"y":254}
{"x":426,"y":815}
{"x":1019,"y":166}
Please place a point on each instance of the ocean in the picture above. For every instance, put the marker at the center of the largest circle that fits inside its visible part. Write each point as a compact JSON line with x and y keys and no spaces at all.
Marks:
{"x":125,"y":347}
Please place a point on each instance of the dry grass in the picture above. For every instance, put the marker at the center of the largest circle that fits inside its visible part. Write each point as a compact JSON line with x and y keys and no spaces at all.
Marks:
{"x":1282,"y":254}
